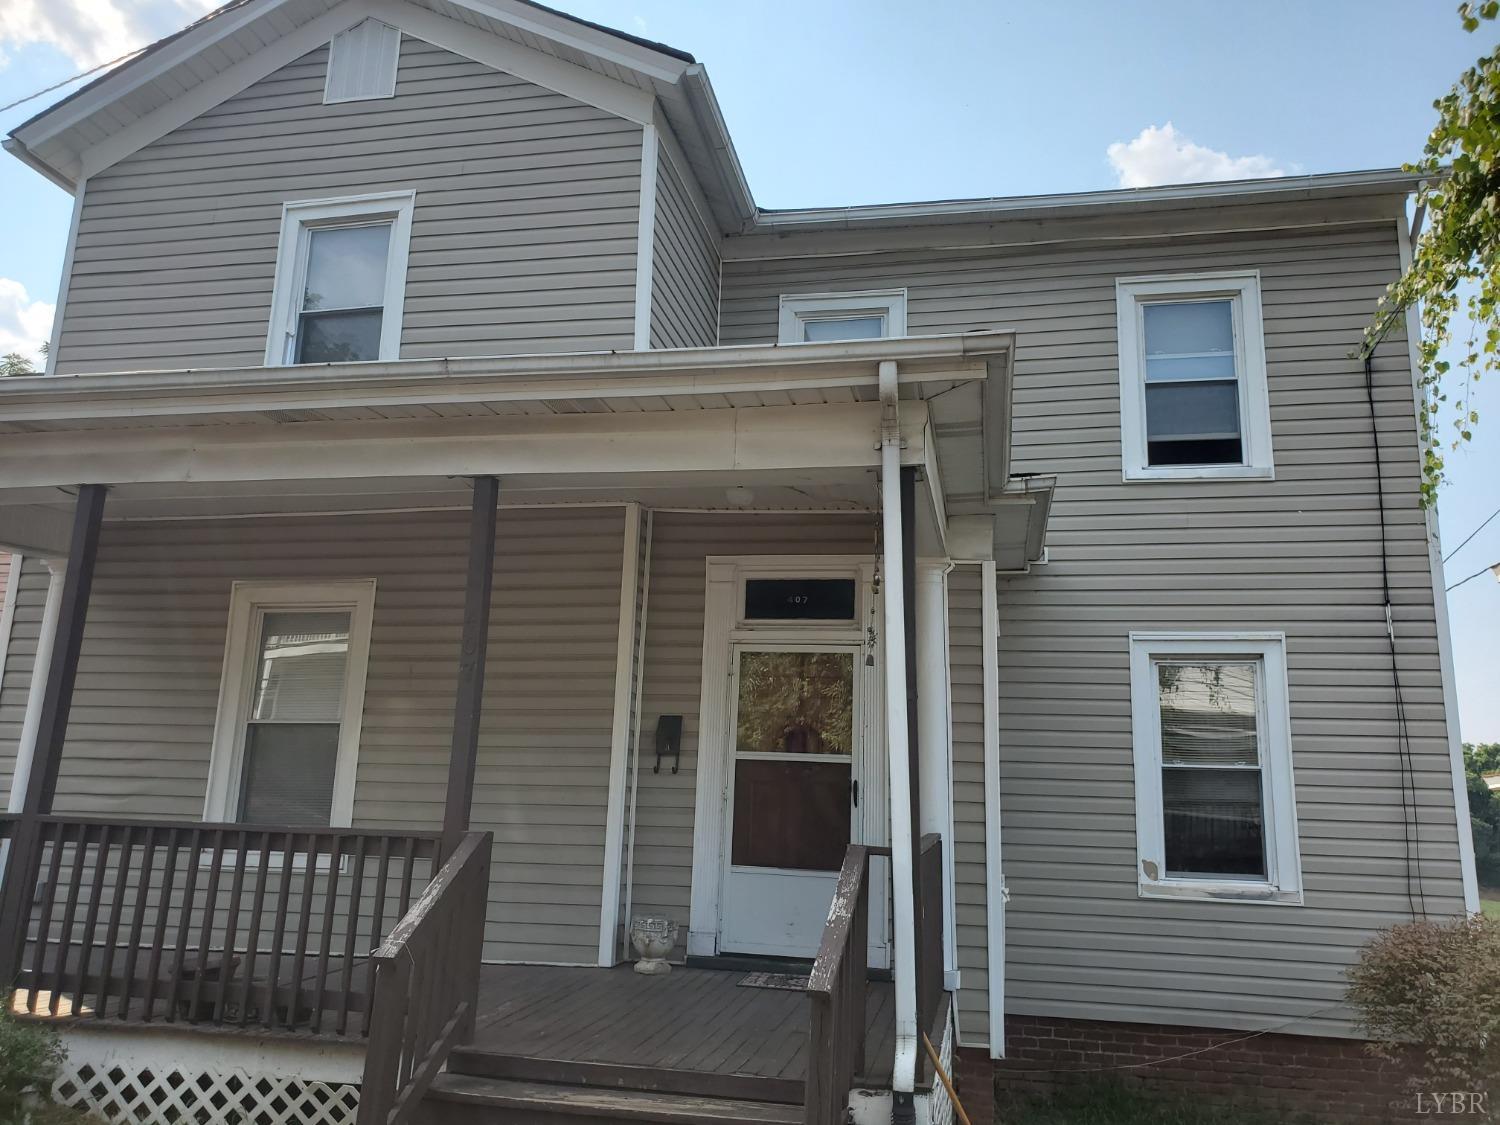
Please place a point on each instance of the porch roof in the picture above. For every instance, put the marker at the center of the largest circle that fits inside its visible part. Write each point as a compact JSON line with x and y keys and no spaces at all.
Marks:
{"x":795,"y":423}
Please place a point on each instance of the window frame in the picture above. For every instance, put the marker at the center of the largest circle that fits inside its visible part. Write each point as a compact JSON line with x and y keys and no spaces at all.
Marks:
{"x":1283,"y":882}
{"x":798,"y":308}
{"x":249,"y":602}
{"x":1242,"y":289}
{"x":299,"y":218}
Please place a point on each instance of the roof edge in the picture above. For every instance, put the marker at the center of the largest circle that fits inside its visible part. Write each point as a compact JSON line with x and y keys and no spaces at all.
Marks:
{"x":1379,"y":181}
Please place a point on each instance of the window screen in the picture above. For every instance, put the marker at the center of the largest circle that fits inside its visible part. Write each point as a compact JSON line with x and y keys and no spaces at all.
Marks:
{"x":1192,"y":383}
{"x":1212,"y":800}
{"x":292,"y":736}
{"x":343,"y":294}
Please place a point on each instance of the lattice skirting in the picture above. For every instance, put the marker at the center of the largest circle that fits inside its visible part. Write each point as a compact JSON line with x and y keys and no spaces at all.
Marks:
{"x":203,"y":1080}
{"x":938,"y":1109}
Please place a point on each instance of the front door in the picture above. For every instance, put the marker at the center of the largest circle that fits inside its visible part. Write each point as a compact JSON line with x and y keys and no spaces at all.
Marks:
{"x":793,"y":800}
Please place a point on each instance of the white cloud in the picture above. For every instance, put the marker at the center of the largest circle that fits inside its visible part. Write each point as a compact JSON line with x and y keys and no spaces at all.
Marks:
{"x":24,"y":324}
{"x":1159,"y":154}
{"x":91,"y":32}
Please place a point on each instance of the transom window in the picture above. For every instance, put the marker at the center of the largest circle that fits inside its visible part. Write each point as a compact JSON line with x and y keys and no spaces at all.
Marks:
{"x":340,"y":280}
{"x":287,"y":735}
{"x":1193,"y":397}
{"x":823,"y":317}
{"x":1215,"y":812}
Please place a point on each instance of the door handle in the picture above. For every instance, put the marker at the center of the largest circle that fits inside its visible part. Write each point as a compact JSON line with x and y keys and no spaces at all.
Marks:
{"x":854,"y":790}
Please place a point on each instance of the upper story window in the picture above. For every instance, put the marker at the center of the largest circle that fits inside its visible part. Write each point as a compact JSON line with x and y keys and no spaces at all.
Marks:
{"x":287,"y":735}
{"x":1193,"y":395}
{"x":1215,"y":806}
{"x":340,"y":280}
{"x":820,"y":317}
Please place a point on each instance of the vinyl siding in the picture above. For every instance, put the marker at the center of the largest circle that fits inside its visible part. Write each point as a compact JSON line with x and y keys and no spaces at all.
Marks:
{"x":673,"y":679}
{"x":971,"y":928}
{"x":685,"y":265}
{"x":12,"y":708}
{"x":523,"y":236}
{"x":143,"y":713}
{"x":1298,"y":554}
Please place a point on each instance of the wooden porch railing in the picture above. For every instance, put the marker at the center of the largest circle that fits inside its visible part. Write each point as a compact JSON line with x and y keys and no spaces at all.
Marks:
{"x":426,"y":986}
{"x":930,"y":943}
{"x":218,"y":924}
{"x":836,"y":989}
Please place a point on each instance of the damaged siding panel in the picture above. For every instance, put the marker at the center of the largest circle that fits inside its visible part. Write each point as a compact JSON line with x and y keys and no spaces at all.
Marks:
{"x":142,"y":721}
{"x":1298,"y":554}
{"x":685,"y":270}
{"x":673,"y":673}
{"x":523,"y":238}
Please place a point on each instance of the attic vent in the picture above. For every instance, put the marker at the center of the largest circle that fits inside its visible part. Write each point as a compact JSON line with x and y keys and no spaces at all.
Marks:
{"x":362,"y":63}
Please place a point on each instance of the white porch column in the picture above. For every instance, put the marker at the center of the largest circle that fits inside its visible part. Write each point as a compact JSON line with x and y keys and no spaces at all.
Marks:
{"x":935,"y":734}
{"x":903,"y":903}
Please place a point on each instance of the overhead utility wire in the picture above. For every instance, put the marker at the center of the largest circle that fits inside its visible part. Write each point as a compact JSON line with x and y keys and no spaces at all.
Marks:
{"x":1473,"y":533}
{"x":1476,"y":574}
{"x":69,"y":81}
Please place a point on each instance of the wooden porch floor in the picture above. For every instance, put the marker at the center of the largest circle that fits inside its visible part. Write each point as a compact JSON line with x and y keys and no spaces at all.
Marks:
{"x":699,"y":1030}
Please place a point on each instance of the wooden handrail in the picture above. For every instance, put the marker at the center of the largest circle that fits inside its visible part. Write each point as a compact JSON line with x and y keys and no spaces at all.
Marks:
{"x":165,"y":921}
{"x":426,"y":977}
{"x":836,"y":993}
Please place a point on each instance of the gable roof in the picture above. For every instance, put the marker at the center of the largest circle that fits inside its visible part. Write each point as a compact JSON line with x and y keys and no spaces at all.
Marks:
{"x":192,"y":70}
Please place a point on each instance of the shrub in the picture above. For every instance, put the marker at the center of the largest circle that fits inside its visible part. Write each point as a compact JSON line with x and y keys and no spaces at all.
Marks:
{"x":30,"y":1057}
{"x":1434,"y":987}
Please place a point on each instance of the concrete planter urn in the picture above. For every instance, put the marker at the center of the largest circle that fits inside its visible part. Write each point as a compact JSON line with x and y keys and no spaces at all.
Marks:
{"x":653,"y":939}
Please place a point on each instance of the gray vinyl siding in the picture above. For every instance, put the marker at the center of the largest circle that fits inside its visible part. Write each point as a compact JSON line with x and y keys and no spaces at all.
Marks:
{"x":1300,"y":554}
{"x":16,"y":668}
{"x":684,"y":268}
{"x":971,"y":928}
{"x":143,"y":712}
{"x":523,"y":233}
{"x":673,"y":679}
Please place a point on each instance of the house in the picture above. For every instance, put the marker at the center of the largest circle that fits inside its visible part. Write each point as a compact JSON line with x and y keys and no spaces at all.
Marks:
{"x":457,"y":523}
{"x":1492,"y":779}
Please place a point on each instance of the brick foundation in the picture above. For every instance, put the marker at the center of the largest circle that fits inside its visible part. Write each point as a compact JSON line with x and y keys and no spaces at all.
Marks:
{"x":1331,"y":1080}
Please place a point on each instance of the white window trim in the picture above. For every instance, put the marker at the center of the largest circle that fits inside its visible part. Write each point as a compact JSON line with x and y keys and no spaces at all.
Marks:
{"x":1243,"y":287}
{"x":1283,"y":860}
{"x":799,"y":307}
{"x":248,"y":602}
{"x":301,"y":216}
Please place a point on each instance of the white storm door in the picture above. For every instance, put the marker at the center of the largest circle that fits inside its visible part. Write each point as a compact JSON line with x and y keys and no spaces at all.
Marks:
{"x":793,"y":793}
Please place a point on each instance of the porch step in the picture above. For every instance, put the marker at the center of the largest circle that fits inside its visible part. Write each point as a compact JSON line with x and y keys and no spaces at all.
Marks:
{"x":612,"y":1077}
{"x":465,"y":1099}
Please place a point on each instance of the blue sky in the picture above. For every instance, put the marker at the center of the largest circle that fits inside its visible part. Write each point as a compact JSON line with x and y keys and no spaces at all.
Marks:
{"x":886,"y":100}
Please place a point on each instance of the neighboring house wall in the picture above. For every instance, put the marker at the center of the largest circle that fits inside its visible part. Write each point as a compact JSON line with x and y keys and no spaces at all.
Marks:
{"x":523,"y":237}
{"x":673,"y":681}
{"x":685,"y":264}
{"x":1299,"y":554}
{"x":143,"y":714}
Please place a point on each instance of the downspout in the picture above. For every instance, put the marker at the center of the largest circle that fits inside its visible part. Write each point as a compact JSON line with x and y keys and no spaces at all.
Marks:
{"x":904,"y":1070}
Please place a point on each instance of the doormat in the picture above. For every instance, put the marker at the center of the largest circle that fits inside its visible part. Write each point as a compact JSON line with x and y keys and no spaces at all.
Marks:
{"x":787,"y":982}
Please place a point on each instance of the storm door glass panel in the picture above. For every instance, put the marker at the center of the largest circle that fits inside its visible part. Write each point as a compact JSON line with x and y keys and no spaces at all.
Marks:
{"x":794,"y":738}
{"x":292,"y":736}
{"x":1212,"y":783}
{"x":343,"y":296}
{"x":821,"y":329}
{"x":1192,"y":383}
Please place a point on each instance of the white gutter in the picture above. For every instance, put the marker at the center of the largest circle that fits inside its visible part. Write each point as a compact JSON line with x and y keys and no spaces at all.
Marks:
{"x":567,"y":375}
{"x":904,"y":1073}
